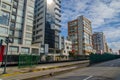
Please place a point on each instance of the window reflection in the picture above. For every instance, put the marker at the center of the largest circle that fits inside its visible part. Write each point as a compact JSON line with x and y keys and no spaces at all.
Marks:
{"x":4,"y":18}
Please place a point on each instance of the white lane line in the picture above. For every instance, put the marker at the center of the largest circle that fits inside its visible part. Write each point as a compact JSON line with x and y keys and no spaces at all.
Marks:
{"x":88,"y":78}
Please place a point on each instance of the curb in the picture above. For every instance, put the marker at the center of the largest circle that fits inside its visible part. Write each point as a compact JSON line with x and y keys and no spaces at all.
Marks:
{"x":55,"y":73}
{"x":40,"y":69}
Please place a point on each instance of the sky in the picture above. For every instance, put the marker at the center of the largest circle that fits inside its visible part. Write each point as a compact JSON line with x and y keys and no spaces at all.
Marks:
{"x":104,"y":15}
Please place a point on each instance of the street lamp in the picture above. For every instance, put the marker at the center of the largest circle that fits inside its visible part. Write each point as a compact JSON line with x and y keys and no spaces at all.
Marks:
{"x":7,"y":41}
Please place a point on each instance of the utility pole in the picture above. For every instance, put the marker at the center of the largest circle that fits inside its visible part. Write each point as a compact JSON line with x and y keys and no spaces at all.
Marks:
{"x":7,"y":41}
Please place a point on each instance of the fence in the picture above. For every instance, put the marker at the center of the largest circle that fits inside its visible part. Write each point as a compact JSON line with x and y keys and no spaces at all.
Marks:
{"x":96,"y":58}
{"x":28,"y":60}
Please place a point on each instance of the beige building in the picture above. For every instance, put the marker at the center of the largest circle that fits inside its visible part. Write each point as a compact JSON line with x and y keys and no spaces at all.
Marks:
{"x":80,"y":33}
{"x":107,"y":48}
{"x":16,"y":22}
{"x":119,"y":52}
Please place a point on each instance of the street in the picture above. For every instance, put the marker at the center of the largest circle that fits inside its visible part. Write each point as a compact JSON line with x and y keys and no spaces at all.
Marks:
{"x":109,"y":70}
{"x":15,"y":73}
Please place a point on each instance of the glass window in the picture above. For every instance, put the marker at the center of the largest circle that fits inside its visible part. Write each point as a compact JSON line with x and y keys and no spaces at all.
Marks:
{"x":13,"y":17}
{"x":27,"y":42}
{"x":17,"y":41}
{"x":19,"y":19}
{"x":25,"y":50}
{"x":29,"y":21}
{"x":6,"y":6}
{"x":18,"y":33}
{"x":19,"y":26}
{"x":12,"y":25}
{"x":35,"y":51}
{"x":13,"y":49}
{"x":15,"y":3}
{"x":30,"y":9}
{"x":4,"y":18}
{"x":29,"y":28}
{"x":28,"y":35}
{"x":14,"y":10}
{"x":8,"y":1}
{"x":30,"y":15}
{"x":3,"y":30}
{"x":20,"y":6}
{"x":21,"y":1}
{"x":20,"y":12}
{"x":11,"y":32}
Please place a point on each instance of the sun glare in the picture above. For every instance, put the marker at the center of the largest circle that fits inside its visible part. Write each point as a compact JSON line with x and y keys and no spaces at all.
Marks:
{"x":49,"y":1}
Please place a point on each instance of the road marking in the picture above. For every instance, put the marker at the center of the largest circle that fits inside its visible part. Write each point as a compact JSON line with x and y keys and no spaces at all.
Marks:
{"x":88,"y":78}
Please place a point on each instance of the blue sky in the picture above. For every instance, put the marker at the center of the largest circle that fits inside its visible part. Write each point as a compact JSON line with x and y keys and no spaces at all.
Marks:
{"x":104,"y":15}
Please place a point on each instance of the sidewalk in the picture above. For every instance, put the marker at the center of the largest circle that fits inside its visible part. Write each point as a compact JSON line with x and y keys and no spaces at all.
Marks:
{"x":40,"y":70}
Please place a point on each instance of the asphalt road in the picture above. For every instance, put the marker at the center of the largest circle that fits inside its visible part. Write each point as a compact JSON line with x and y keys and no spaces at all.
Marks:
{"x":109,"y":70}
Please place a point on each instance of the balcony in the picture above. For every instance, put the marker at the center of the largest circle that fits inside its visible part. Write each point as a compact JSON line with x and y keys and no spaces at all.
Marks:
{"x":15,"y":5}
{"x":14,"y":13}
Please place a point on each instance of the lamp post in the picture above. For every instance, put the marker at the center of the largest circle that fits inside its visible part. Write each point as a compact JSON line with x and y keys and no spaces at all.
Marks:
{"x":7,"y":41}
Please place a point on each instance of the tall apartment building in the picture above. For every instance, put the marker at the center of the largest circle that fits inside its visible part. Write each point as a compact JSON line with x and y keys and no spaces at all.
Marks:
{"x":16,"y":21}
{"x":107,"y":49}
{"x":80,"y":33}
{"x":119,"y":52}
{"x":99,"y":42}
{"x":47,"y":23}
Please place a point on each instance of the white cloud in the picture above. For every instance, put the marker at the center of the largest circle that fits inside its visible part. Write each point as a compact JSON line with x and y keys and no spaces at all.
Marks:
{"x":112,"y":33}
{"x":102,"y":13}
{"x":115,"y":4}
{"x":113,"y":37}
{"x":115,"y":46}
{"x":97,"y":11}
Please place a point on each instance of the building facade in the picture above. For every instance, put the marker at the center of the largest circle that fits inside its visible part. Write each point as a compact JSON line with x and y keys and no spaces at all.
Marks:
{"x":80,"y":33}
{"x":67,"y":47}
{"x":99,"y":42}
{"x":107,"y":49}
{"x":16,"y":22}
{"x":119,"y":52}
{"x":47,"y":23}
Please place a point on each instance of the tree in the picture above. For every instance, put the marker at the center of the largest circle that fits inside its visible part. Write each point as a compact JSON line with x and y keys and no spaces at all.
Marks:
{"x":72,"y":53}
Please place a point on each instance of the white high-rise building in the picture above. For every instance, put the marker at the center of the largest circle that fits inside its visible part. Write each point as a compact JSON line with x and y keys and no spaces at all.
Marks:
{"x":98,"y":40}
{"x":16,"y":22}
{"x":47,"y":23}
